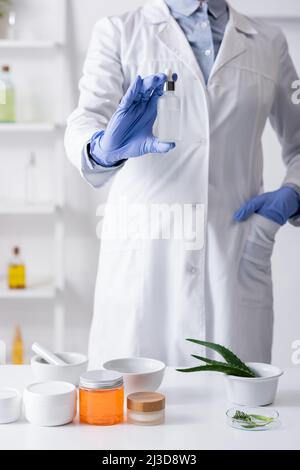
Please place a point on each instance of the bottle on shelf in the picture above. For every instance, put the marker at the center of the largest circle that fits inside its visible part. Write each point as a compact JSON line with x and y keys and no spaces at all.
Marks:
{"x":2,"y":353}
{"x":11,"y":35}
{"x":16,"y":271}
{"x":31,"y":180}
{"x":7,"y":96}
{"x":5,"y":9}
{"x":17,"y":348}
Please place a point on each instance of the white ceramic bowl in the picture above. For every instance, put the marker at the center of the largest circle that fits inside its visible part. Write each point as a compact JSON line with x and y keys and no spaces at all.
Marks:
{"x":76,"y":366}
{"x":257,"y":391}
{"x":10,"y":405}
{"x":140,"y":374}
{"x":50,"y":403}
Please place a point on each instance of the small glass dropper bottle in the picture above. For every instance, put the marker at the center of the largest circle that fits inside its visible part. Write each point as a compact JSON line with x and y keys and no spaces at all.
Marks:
{"x":168,"y":111}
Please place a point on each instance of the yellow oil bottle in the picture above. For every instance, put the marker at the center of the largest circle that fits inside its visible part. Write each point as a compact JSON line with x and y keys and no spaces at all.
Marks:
{"x":17,"y":348}
{"x":16,"y":271}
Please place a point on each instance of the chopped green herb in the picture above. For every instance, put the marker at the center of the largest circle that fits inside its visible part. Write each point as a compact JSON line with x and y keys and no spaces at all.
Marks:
{"x":251,"y":421}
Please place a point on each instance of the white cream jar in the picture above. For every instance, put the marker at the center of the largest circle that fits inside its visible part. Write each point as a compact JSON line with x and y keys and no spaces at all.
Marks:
{"x":50,"y":403}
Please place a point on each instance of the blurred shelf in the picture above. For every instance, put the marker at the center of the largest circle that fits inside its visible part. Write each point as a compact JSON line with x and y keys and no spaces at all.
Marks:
{"x":18,"y":44}
{"x":28,"y":127}
{"x":38,"y":292}
{"x":22,"y":209}
{"x":42,"y":54}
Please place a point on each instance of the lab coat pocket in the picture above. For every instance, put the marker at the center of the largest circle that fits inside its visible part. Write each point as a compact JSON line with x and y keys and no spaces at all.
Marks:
{"x":255,"y":274}
{"x":260,"y":241}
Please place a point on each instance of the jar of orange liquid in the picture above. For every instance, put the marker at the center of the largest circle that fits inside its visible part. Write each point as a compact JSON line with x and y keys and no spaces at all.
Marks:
{"x":101,"y":398}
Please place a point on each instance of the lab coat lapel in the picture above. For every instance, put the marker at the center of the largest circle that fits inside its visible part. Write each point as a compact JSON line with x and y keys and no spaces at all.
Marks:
{"x":171,"y":35}
{"x":235,"y":40}
{"x":233,"y":45}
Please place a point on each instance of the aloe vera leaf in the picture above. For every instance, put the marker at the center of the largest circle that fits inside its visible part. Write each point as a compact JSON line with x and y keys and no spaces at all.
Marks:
{"x":228,"y":355}
{"x":208,"y":361}
{"x":220,"y":367}
{"x":222,"y":364}
{"x":215,"y":363}
{"x":254,"y":425}
{"x":265,"y":419}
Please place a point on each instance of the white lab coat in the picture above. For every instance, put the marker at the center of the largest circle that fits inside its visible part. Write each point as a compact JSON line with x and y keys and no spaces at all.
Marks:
{"x":152,"y":294}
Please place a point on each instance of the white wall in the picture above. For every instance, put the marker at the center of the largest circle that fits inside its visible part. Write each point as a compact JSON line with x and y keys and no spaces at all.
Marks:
{"x":81,"y":242}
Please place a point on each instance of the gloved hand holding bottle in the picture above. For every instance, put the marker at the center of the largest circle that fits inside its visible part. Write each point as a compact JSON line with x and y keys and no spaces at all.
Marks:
{"x":129,"y":133}
{"x":278,"y":206}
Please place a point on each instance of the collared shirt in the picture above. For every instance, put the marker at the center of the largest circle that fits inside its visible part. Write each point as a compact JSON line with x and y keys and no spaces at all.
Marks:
{"x":204,"y":24}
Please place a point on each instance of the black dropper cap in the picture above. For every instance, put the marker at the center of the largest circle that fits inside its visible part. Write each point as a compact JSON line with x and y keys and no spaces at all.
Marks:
{"x":170,"y":83}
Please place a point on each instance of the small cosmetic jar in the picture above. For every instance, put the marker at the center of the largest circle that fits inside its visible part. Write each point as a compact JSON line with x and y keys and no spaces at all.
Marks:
{"x":146,"y":408}
{"x":50,"y":403}
{"x":101,"y":398}
{"x":10,"y":405}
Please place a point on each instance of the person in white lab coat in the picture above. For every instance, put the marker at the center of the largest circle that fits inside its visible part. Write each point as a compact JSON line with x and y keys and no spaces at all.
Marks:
{"x":233,"y":74}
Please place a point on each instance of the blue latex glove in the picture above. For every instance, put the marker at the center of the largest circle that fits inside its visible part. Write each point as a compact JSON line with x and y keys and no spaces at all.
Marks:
{"x":129,"y":132}
{"x":278,"y":206}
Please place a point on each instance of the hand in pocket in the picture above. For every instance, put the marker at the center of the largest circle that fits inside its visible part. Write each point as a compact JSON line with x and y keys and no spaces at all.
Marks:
{"x":278,"y":206}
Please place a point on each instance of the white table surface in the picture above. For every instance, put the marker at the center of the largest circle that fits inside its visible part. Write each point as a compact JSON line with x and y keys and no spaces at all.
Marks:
{"x":195,"y":419}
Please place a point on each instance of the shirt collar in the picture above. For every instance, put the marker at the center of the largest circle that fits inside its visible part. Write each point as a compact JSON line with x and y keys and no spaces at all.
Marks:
{"x":188,"y":7}
{"x":217,"y":7}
